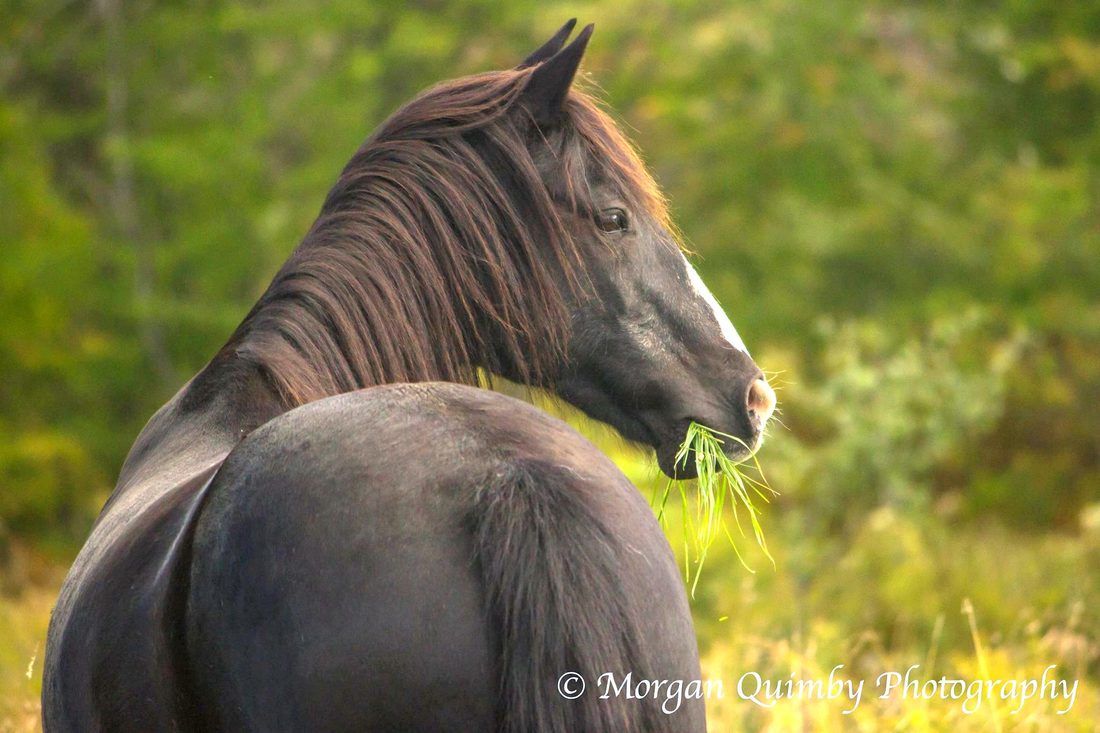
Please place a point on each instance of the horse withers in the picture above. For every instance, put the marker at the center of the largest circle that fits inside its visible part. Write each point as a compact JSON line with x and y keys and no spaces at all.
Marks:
{"x":330,"y":528}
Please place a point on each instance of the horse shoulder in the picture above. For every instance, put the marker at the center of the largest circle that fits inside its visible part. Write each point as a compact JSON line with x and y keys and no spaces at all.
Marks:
{"x":114,"y":646}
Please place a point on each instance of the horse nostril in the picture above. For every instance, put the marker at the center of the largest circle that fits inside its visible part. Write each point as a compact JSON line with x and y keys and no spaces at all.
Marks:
{"x":760,"y":400}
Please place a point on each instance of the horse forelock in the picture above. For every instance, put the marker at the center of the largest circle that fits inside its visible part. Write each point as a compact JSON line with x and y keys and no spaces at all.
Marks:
{"x":441,"y":248}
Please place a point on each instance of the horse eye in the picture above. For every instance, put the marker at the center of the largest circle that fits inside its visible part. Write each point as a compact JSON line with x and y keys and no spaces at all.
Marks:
{"x":611,"y":220}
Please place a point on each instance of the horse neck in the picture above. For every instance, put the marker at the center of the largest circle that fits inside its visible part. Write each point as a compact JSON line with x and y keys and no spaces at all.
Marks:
{"x":366,"y":299}
{"x":369,"y":299}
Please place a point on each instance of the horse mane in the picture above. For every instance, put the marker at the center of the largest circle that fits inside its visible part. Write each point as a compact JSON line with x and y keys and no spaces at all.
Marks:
{"x":442,"y":248}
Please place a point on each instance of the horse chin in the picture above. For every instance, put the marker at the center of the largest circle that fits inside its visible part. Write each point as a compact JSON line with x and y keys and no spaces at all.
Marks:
{"x":668,"y":447}
{"x":666,"y":460}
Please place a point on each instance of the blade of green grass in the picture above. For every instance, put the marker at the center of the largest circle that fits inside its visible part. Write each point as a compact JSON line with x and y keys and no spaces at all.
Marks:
{"x":719,"y":481}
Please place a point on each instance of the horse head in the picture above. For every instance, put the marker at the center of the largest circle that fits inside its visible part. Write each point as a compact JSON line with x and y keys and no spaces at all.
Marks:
{"x":501,"y":222}
{"x":649,"y":348}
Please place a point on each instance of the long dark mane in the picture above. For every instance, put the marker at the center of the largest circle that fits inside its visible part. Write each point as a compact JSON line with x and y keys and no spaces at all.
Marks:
{"x":442,"y":247}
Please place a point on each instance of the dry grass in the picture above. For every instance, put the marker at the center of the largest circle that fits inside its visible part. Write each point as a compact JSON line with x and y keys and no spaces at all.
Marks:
{"x":23,"y":619}
{"x":808,"y":656}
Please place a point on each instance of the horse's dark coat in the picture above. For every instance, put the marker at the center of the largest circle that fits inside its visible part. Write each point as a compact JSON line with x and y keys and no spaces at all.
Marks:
{"x":130,"y":661}
{"x":373,"y":556}
{"x":450,"y":570}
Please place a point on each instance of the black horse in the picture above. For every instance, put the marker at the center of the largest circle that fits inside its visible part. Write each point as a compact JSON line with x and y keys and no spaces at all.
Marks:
{"x":325,"y":530}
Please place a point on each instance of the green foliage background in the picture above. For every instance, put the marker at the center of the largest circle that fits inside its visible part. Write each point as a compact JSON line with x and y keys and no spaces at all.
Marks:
{"x":897,"y":202}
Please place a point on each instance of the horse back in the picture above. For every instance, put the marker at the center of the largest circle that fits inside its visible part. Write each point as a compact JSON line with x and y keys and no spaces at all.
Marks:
{"x":426,"y":557}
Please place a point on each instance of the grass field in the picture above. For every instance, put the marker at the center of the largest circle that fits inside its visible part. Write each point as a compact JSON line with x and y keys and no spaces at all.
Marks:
{"x":756,"y":623}
{"x":28,"y":593}
{"x":967,"y":601}
{"x":980,"y":604}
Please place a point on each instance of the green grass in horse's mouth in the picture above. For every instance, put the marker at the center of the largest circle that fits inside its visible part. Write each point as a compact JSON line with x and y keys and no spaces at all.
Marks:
{"x":719,"y":479}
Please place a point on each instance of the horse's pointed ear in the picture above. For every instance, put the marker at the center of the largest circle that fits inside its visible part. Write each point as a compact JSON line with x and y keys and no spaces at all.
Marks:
{"x":551,"y":47}
{"x":549,"y":84}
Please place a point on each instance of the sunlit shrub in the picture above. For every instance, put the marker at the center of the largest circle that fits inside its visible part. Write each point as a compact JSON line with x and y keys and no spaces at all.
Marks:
{"x":887,"y":411}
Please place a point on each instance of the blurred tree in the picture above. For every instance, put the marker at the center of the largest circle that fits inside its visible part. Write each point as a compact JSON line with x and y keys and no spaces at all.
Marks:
{"x":881,"y":162}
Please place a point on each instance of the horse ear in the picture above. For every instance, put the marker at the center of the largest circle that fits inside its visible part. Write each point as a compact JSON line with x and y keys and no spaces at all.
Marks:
{"x":545,"y":93}
{"x":551,"y":47}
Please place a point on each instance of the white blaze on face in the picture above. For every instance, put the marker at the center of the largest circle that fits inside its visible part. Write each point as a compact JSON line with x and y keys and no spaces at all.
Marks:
{"x":728,"y":331}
